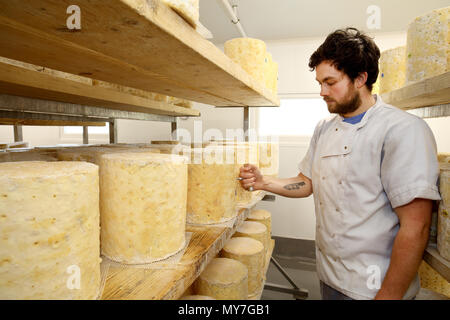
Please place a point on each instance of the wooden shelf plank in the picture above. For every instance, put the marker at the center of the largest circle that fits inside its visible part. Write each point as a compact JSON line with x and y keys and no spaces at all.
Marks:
{"x":428,"y":92}
{"x":136,"y":43}
{"x":34,"y":84}
{"x":171,"y":282}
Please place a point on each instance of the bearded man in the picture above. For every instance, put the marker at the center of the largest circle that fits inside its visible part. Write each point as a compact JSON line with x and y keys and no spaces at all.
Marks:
{"x":373,"y":171}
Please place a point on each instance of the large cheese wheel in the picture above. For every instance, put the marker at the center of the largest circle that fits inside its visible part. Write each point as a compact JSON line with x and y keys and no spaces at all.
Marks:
{"x":142,"y":205}
{"x":443,"y":231}
{"x":264,"y":217}
{"x":223,"y":279}
{"x":269,"y":158}
{"x":444,"y":187}
{"x":250,"y":54}
{"x":251,"y":253}
{"x":31,"y":155}
{"x":392,"y":69}
{"x":255,"y":230}
{"x":212,"y":186}
{"x":93,"y":154}
{"x":49,"y":230}
{"x":428,"y":45}
{"x":196,"y":297}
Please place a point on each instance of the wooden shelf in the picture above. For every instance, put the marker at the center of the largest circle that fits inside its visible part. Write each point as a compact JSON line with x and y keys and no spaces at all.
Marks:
{"x":429,"y":92}
{"x":130,"y":283}
{"x":136,"y":43}
{"x":438,"y":263}
{"x":23,"y":82}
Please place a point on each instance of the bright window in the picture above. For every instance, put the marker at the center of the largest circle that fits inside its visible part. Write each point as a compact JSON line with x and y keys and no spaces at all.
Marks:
{"x":92,"y":130}
{"x":295,"y":116}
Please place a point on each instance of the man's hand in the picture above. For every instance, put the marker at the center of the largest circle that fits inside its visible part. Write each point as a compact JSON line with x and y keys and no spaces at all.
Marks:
{"x":296,"y":187}
{"x":251,"y":177}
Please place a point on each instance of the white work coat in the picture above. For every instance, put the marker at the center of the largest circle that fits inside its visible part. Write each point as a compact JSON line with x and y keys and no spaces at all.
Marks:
{"x":360,"y":172}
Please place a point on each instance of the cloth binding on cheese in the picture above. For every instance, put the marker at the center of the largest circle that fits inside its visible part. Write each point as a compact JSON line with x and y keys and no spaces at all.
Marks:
{"x":49,"y":230}
{"x":143,"y":206}
{"x":251,"y":253}
{"x":444,"y":187}
{"x":392,"y":69}
{"x":428,"y":45}
{"x":223,"y":279}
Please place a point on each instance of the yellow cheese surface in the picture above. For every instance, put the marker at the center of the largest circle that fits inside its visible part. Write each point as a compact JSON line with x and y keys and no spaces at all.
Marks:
{"x":443,"y":231}
{"x":142,"y":205}
{"x":392,"y":69}
{"x":269,"y":158}
{"x":428,"y":45}
{"x":223,"y":279}
{"x":255,"y":230}
{"x":264,"y":217}
{"x":432,"y":280}
{"x":250,"y":54}
{"x":444,"y":187}
{"x":196,"y":297}
{"x":188,"y":9}
{"x":251,"y":253}
{"x":49,"y":230}
{"x":212,"y":186}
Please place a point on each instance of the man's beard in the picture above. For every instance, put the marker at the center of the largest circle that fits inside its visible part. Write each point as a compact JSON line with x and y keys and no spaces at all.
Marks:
{"x":348,"y":106}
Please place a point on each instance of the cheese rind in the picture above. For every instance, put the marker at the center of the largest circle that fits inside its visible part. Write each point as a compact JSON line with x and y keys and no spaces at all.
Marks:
{"x":251,"y":253}
{"x":392,"y":69}
{"x":49,"y":230}
{"x":143,"y":206}
{"x":443,"y":231}
{"x":212,"y":186}
{"x":264,"y":217}
{"x":428,"y":45}
{"x":444,"y":187}
{"x":223,"y":279}
{"x":196,"y":297}
{"x":188,"y":9}
{"x":250,"y":54}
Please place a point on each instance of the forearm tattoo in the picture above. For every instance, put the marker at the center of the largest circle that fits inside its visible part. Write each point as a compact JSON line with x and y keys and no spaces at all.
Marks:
{"x":294,"y":186}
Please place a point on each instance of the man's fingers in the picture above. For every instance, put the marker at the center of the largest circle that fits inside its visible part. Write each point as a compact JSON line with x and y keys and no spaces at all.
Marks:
{"x":246,"y":175}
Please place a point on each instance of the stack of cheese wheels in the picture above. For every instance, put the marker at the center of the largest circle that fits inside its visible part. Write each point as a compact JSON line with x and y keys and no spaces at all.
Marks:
{"x":264,"y":217}
{"x":49,"y":230}
{"x":269,"y":158}
{"x":212,"y":185}
{"x":143,"y":206}
{"x":250,"y":54}
{"x":196,"y":297}
{"x":428,"y":45}
{"x":223,"y":279}
{"x":392,"y":69}
{"x":251,"y":253}
{"x":255,"y":230}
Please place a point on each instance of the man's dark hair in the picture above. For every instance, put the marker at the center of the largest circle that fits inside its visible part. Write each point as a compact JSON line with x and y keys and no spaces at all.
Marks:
{"x":350,"y":51}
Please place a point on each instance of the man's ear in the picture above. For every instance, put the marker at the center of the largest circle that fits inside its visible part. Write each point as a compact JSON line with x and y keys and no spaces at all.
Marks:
{"x":361,"y":80}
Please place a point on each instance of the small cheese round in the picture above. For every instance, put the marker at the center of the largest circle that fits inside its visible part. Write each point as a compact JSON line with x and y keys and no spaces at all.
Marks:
{"x":223,"y":279}
{"x":255,"y":230}
{"x":444,"y":187}
{"x":251,"y":253}
{"x":49,"y":230}
{"x":264,"y":217}
{"x":143,"y":206}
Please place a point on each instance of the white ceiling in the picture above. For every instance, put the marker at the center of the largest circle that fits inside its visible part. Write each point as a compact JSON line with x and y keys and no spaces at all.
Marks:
{"x":287,"y":19}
